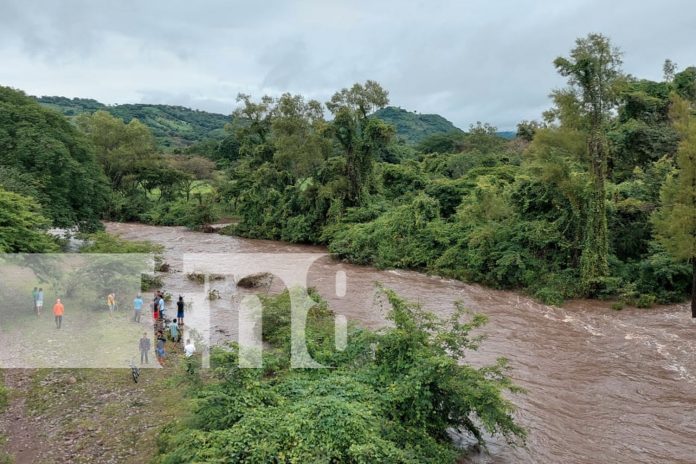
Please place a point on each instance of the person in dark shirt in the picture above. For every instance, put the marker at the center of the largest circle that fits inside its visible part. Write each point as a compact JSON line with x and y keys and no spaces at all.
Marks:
{"x":144,"y":348}
{"x":180,"y":311}
{"x":159,"y":351}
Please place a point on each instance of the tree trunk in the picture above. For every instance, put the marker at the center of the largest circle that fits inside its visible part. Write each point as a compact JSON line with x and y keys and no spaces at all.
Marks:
{"x":594,"y":257}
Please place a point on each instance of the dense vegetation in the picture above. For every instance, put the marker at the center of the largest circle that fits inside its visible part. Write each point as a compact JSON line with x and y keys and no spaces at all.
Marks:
{"x":58,"y":173}
{"x":45,"y":157}
{"x":147,"y":185}
{"x":391,"y":396}
{"x":594,"y":200}
{"x":567,"y":209}
{"x":172,"y":126}
{"x":597,"y":199}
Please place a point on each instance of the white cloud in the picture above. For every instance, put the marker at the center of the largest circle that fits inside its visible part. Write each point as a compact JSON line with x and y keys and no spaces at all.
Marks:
{"x":468,"y":61}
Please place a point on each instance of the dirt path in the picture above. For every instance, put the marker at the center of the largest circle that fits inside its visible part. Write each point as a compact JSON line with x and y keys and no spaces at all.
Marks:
{"x":23,"y":442}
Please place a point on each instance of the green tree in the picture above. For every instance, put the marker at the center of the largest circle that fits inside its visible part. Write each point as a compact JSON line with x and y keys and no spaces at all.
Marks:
{"x":298,"y":135}
{"x":22,"y":227}
{"x":42,"y":150}
{"x":593,"y":71}
{"x":685,"y":83}
{"x":251,"y":125}
{"x":194,"y":168}
{"x":361,"y":138}
{"x":125,"y":151}
{"x":527,"y":129}
{"x":675,"y":220}
{"x":391,"y":396}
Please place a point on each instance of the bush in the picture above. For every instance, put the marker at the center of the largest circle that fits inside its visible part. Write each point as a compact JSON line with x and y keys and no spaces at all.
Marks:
{"x":391,"y":396}
{"x":646,"y":301}
{"x":149,"y":282}
{"x":549,"y":296}
{"x":191,"y":214}
{"x":103,"y":242}
{"x":617,"y":306}
{"x":406,"y":236}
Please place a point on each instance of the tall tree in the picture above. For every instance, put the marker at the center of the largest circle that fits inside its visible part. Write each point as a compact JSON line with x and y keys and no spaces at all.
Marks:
{"x":193,"y":168}
{"x":593,"y":70}
{"x":125,"y":150}
{"x":251,"y":125}
{"x":360,"y":137}
{"x":298,"y":135}
{"x":43,"y":155}
{"x":675,"y":220}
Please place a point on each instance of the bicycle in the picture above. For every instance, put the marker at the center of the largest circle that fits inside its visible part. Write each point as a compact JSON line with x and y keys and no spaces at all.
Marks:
{"x":135,"y":371}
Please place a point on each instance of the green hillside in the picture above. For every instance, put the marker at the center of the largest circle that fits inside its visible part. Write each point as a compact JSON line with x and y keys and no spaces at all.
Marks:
{"x":413,"y":127}
{"x":172,"y":126}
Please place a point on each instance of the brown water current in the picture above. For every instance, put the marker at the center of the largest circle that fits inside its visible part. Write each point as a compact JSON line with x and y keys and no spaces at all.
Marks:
{"x":603,"y":386}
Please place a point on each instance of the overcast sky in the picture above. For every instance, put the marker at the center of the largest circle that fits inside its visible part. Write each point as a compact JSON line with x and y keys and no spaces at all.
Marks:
{"x":466,"y":60}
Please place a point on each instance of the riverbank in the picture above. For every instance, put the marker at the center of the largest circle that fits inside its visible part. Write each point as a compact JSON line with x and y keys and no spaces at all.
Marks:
{"x":603,"y":385}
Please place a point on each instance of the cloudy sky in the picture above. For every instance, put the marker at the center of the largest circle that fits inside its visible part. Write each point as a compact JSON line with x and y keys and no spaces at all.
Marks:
{"x":488,"y":60}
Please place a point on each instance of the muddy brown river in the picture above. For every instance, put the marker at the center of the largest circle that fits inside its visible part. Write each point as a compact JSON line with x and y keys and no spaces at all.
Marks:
{"x":603,"y":386}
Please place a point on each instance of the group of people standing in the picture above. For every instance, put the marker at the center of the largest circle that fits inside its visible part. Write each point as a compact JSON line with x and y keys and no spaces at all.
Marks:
{"x":164,"y":328}
{"x":159,"y":307}
{"x":58,"y":308}
{"x":145,"y":346}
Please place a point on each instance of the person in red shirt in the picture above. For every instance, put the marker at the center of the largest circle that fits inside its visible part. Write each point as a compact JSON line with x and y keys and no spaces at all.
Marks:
{"x":58,"y":310}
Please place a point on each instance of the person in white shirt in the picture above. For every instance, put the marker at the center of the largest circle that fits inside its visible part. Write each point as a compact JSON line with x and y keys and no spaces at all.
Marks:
{"x":39,"y":301}
{"x":189,"y":348}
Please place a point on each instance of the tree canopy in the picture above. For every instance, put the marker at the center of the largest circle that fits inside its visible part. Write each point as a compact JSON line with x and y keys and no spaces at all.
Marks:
{"x":41,"y":144}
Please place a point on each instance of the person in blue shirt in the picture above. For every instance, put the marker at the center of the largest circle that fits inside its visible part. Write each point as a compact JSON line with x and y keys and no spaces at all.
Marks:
{"x":174,"y":331}
{"x":159,"y":348}
{"x":39,"y":301}
{"x":137,"y":308}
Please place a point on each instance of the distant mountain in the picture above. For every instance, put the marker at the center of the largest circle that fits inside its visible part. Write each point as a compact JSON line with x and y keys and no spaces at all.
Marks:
{"x":172,"y":126}
{"x":177,"y":126}
{"x":413,"y":127}
{"x":509,"y":135}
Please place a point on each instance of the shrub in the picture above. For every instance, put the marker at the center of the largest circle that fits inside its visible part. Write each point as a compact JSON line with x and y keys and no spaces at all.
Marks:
{"x":191,"y":214}
{"x":103,"y":242}
{"x":149,"y":282}
{"x":646,"y":301}
{"x":391,"y":396}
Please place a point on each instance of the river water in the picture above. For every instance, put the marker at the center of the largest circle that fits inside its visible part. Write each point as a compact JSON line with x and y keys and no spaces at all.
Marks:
{"x":603,"y":386}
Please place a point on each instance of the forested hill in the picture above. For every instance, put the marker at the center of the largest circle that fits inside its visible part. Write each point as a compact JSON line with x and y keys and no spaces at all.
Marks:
{"x":413,"y":127}
{"x":172,"y":126}
{"x":177,"y":126}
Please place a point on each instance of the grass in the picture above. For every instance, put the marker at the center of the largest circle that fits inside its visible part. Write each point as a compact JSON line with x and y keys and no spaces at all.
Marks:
{"x":93,"y":412}
{"x":88,"y":414}
{"x":200,"y":186}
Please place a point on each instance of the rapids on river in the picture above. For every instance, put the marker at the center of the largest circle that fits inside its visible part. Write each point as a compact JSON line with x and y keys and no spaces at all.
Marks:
{"x":603,"y":386}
